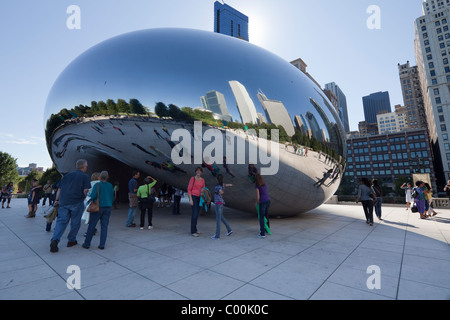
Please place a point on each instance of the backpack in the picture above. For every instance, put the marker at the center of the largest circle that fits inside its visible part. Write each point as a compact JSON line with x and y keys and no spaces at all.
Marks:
{"x":205,"y":196}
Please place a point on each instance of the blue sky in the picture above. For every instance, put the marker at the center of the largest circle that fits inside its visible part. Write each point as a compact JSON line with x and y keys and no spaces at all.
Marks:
{"x":330,"y":36}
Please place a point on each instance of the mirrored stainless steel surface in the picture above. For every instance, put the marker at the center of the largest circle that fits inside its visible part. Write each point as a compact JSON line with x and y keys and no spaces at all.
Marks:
{"x":119,"y":103}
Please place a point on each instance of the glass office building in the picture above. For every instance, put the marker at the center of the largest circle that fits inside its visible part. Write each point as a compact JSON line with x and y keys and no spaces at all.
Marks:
{"x":229,"y":21}
{"x":375,"y":103}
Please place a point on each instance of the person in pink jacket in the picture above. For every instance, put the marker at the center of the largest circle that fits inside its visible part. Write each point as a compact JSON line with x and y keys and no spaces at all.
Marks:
{"x":195,"y":188}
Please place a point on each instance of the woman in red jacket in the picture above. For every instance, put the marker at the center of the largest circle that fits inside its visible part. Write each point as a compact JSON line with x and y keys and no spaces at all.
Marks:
{"x":195,"y":188}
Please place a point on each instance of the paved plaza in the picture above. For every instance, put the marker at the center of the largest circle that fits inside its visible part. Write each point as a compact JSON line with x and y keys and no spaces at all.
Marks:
{"x":329,"y":253}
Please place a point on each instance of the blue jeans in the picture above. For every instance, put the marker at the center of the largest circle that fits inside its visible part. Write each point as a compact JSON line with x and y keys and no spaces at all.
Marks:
{"x":131,"y":213}
{"x":377,"y":207}
{"x":103,"y":215}
{"x":220,"y":218}
{"x":264,"y":213}
{"x":195,"y":212}
{"x":70,"y":213}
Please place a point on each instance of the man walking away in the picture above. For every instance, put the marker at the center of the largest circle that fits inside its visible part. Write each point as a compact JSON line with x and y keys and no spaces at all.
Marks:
{"x":72,"y":190}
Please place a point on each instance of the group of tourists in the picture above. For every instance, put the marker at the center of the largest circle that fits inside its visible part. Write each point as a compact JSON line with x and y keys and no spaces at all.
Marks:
{"x":418,"y":198}
{"x":70,"y":203}
{"x":76,"y":192}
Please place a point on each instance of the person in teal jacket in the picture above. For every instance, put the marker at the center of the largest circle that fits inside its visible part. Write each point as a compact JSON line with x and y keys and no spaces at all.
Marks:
{"x":105,"y":195}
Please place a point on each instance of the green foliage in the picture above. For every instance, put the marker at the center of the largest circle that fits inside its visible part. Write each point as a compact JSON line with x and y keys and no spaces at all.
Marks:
{"x":8,"y":169}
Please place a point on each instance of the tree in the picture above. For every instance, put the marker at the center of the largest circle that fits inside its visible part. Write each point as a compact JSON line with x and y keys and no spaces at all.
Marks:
{"x":175,"y":112}
{"x":161,"y":110}
{"x":8,"y":169}
{"x":137,"y":107}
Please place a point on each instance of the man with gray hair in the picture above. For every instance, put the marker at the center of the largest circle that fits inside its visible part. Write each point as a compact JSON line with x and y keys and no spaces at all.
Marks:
{"x":72,"y":190}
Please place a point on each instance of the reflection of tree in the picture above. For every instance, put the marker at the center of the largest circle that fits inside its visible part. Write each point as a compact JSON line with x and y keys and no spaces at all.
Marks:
{"x":96,"y":108}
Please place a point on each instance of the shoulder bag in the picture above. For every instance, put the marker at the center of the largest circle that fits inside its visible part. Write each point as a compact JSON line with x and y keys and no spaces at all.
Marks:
{"x":94,"y":206}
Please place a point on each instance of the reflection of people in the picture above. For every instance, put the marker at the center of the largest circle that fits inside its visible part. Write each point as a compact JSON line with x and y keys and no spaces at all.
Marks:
{"x":105,"y":196}
{"x":195,"y":188}
{"x":72,"y":190}
{"x":326,"y":175}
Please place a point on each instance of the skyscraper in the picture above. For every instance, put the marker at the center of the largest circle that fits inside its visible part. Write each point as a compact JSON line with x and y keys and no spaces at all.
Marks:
{"x":374,"y":104}
{"x":342,"y":104}
{"x":432,"y":46}
{"x":229,"y":21}
{"x":412,"y":96}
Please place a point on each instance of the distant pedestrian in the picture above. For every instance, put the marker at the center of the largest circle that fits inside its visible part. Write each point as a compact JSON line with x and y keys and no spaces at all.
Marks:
{"x":116,"y":194}
{"x":33,"y":198}
{"x":219,"y":190}
{"x":263,"y":201}
{"x":72,"y":191}
{"x":376,"y":189}
{"x":429,"y":201}
{"x":420,"y":198}
{"x":367,"y":198}
{"x":176,"y":202}
{"x":132,"y":197}
{"x":195,"y":188}
{"x":7,"y":194}
{"x":408,"y":191}
{"x":447,"y":189}
{"x":47,"y":193}
{"x":146,"y":201}
{"x":103,"y":191}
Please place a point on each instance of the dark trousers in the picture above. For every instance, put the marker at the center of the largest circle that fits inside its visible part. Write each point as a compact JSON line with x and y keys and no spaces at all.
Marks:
{"x":176,"y":205}
{"x":146,"y":209}
{"x":368,"y":209}
{"x":195,"y":212}
{"x":49,"y":197}
{"x":264,"y":213}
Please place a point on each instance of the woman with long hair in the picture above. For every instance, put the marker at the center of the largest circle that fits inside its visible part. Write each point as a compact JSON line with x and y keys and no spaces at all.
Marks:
{"x":219,"y":202}
{"x":263,"y":200}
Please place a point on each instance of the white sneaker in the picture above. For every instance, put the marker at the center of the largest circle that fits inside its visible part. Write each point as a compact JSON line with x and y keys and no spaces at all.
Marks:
{"x":150,"y":227}
{"x":141,"y":228}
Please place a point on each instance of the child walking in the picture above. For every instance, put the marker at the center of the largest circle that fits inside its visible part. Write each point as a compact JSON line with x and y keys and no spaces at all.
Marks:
{"x":219,"y":203}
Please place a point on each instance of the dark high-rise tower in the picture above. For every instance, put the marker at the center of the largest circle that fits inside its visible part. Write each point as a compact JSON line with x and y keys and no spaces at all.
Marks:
{"x":229,"y":21}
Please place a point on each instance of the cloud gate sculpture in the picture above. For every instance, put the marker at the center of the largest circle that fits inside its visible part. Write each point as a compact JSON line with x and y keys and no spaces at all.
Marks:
{"x":166,"y":101}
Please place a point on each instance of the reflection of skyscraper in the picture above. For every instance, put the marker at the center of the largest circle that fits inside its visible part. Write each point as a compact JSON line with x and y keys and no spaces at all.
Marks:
{"x":244,"y":103}
{"x":215,"y":102}
{"x":276,"y":113}
{"x":314,"y":125}
{"x":229,"y":21}
{"x":261,"y":119}
{"x":300,"y":125}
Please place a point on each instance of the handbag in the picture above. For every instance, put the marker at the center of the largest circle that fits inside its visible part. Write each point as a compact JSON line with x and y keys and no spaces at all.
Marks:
{"x":414,"y":208}
{"x":94,"y":206}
